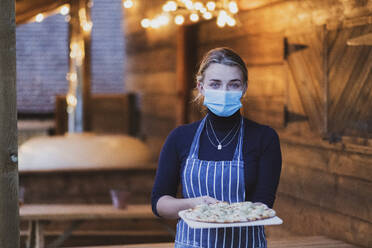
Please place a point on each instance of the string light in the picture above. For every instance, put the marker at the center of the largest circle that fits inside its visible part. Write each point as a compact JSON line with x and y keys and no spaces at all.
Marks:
{"x":223,"y":10}
{"x":179,"y":20}
{"x":128,"y":4}
{"x":145,"y":23}
{"x":198,"y":5}
{"x":194,"y":17}
{"x":170,"y":6}
{"x":65,"y":10}
{"x":211,"y":6}
{"x":207,"y":15}
{"x":233,"y":7}
{"x":39,"y":17}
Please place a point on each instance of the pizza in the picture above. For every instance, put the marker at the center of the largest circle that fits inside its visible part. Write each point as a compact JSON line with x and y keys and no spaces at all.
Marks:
{"x":223,"y":212}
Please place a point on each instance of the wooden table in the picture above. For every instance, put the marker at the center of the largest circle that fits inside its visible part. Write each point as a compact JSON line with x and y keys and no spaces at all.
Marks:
{"x":38,"y":215}
{"x":295,"y":242}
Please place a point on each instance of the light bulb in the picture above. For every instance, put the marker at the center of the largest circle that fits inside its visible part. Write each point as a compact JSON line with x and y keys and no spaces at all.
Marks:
{"x":194,"y":17}
{"x":155,"y":23}
{"x":233,"y":7}
{"x":231,"y":22}
{"x":163,"y":20}
{"x":127,"y":4}
{"x":179,"y":19}
{"x":207,"y":15}
{"x":145,"y":23}
{"x":189,"y":5}
{"x":198,"y":5}
{"x":170,"y":6}
{"x":211,"y":5}
{"x":39,"y":17}
{"x":65,"y":10}
{"x":222,"y":18}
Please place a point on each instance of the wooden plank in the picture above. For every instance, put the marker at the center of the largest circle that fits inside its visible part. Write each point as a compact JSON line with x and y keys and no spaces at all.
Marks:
{"x":306,"y":67}
{"x":293,"y":103}
{"x":9,"y":219}
{"x":153,"y":125}
{"x":149,"y":245}
{"x":146,"y":40}
{"x":266,"y":110}
{"x":268,"y":80}
{"x":143,"y":62}
{"x":303,"y":217}
{"x":185,"y":70}
{"x":362,"y":40}
{"x":357,"y":194}
{"x":163,"y":106}
{"x":151,"y":83}
{"x":308,"y":157}
{"x":63,"y":212}
{"x":353,"y":92}
{"x":111,"y":113}
{"x":108,"y":226}
{"x":264,"y":49}
{"x":249,"y":4}
{"x":308,"y":241}
{"x":287,"y":17}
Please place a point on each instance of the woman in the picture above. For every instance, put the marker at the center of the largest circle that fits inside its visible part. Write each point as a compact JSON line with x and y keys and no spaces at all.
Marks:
{"x":223,"y":157}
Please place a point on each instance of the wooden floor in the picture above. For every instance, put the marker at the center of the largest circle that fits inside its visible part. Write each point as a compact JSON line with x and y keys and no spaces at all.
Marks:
{"x":298,"y":242}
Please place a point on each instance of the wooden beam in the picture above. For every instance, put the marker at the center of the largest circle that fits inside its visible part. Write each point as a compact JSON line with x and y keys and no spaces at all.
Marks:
{"x":186,"y":69}
{"x":363,"y":40}
{"x":253,"y":4}
{"x":9,"y":217}
{"x":26,"y":9}
{"x":80,"y":35}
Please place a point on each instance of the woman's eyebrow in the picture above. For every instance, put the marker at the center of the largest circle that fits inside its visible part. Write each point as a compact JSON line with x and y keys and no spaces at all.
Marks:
{"x":216,"y":80}
{"x":236,"y":79}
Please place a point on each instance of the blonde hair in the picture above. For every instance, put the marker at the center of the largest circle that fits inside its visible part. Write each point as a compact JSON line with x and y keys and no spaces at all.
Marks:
{"x":221,"y":55}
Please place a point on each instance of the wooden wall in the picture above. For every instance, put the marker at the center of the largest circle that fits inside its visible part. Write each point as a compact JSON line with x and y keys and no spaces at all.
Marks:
{"x":151,"y":72}
{"x":305,"y":82}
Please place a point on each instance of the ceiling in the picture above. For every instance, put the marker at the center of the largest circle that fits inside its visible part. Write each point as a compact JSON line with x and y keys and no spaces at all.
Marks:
{"x":26,"y":9}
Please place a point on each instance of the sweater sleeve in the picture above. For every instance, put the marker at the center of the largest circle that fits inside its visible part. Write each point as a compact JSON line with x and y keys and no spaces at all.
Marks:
{"x":270,"y":165}
{"x":168,"y":171}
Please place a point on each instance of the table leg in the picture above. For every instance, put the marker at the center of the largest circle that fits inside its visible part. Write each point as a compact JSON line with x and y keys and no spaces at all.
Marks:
{"x":66,"y":234}
{"x":39,"y":238}
{"x":30,"y":243}
{"x":35,"y":237}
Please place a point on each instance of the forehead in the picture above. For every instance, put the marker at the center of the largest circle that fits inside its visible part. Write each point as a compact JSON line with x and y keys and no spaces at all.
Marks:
{"x":222,"y":72}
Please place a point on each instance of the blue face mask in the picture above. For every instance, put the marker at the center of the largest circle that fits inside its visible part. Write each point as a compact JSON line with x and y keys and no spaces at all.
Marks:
{"x":222,"y":103}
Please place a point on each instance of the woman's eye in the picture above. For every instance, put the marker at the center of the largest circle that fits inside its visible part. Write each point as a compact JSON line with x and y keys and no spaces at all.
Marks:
{"x":235,"y":86}
{"x":214,"y":85}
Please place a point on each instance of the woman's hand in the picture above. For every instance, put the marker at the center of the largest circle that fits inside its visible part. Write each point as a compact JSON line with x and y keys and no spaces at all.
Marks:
{"x":201,"y":200}
{"x":168,"y":206}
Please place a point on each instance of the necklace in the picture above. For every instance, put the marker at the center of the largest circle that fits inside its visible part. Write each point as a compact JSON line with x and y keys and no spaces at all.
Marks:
{"x":219,"y":146}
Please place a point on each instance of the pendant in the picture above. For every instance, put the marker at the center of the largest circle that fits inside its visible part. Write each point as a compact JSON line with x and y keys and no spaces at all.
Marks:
{"x":219,"y":147}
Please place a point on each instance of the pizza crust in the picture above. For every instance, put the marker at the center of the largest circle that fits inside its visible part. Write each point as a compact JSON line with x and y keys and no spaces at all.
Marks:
{"x":223,"y":212}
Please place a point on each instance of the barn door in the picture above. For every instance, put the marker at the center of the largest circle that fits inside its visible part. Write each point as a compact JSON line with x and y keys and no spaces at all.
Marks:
{"x":333,"y":80}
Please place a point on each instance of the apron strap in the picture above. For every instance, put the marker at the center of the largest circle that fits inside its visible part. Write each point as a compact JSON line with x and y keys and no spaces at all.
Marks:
{"x":238,"y":154}
{"x":194,"y":149}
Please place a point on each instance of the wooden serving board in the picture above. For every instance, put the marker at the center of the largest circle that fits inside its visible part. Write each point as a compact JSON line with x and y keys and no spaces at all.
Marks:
{"x":196,"y":224}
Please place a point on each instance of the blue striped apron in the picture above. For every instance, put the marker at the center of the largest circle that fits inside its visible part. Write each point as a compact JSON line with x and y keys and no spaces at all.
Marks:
{"x":223,"y":180}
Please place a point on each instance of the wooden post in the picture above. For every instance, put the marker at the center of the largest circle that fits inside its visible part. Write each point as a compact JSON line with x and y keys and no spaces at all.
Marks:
{"x":79,"y":118}
{"x":186,"y":69}
{"x":9,"y":210}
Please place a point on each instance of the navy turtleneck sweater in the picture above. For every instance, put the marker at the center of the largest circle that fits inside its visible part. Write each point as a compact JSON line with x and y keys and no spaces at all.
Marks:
{"x":261,"y":155}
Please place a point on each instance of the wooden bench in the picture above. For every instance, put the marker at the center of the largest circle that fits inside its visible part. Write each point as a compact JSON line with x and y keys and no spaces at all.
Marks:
{"x":308,"y":242}
{"x":298,"y":242}
{"x":40,"y":215}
